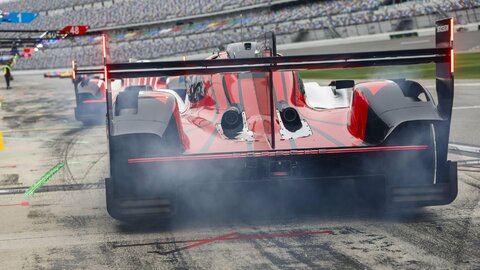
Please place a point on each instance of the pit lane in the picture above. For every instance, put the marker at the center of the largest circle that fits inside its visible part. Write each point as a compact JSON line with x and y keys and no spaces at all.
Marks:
{"x":65,"y":224}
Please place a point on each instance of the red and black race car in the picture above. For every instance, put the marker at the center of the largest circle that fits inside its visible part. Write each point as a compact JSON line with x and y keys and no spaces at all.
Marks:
{"x":90,"y":96}
{"x":245,"y":115}
{"x":90,"y":92}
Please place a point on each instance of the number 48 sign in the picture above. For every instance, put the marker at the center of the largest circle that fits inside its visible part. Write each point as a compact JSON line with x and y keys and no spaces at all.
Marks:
{"x":74,"y":30}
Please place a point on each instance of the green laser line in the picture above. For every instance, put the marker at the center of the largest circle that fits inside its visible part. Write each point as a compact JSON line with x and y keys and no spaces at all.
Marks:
{"x":44,"y":179}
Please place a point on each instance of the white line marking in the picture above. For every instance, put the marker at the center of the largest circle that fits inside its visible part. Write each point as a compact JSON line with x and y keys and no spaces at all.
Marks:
{"x":468,"y":162}
{"x":415,"y":42}
{"x":466,"y":84}
{"x":467,"y":107}
{"x":455,"y":85}
{"x":464,"y":148}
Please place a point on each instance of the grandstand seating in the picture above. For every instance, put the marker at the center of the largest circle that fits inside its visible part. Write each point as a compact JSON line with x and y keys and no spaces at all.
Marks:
{"x":206,"y":34}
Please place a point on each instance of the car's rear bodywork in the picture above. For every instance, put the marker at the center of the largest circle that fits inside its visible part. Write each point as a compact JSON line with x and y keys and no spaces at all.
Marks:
{"x":90,"y":95}
{"x":254,"y":120}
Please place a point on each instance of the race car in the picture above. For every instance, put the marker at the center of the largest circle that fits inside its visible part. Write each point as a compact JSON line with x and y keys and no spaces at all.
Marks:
{"x":90,"y":96}
{"x":58,"y":74}
{"x":90,"y":92}
{"x":246,"y":116}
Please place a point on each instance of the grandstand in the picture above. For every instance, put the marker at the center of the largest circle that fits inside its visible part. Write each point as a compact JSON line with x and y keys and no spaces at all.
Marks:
{"x":152,"y":29}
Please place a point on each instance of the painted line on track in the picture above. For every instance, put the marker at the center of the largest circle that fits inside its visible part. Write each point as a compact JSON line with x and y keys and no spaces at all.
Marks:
{"x":33,"y":139}
{"x":455,"y":85}
{"x":467,"y":107}
{"x":35,"y":115}
{"x":53,"y":188}
{"x":47,"y":129}
{"x":15,"y":204}
{"x":464,"y":148}
{"x":8,"y":166}
{"x":44,"y":179}
{"x":415,"y":42}
{"x":468,"y":162}
{"x":227,"y":237}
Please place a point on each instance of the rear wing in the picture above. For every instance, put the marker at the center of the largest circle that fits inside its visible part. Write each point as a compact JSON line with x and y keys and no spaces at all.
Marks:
{"x":442,"y":55}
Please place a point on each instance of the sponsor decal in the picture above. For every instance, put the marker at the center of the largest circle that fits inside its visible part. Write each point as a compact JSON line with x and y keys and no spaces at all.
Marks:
{"x":442,"y":28}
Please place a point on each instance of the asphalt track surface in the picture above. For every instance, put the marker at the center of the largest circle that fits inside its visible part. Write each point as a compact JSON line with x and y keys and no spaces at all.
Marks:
{"x":65,"y":225}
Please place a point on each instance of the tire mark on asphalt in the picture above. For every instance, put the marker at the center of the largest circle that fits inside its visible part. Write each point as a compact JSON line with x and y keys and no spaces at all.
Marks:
{"x":61,"y":150}
{"x":66,"y":152}
{"x":343,"y":258}
{"x":181,"y":258}
{"x":459,"y":253}
{"x":87,"y":171}
{"x":299,"y":257}
{"x":274,"y":259}
{"x":473,"y":182}
{"x":429,"y":235}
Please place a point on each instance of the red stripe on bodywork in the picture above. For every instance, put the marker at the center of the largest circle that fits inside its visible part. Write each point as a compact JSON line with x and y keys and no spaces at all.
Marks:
{"x":281,"y":153}
{"x":94,"y":101}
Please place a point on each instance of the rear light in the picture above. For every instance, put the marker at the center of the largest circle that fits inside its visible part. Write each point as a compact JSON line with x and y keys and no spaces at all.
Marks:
{"x":451,"y":29}
{"x":452,"y":61}
{"x":280,"y":168}
{"x":105,"y":73}
{"x":73,"y":70}
{"x":452,"y":56}
{"x":104,"y":46}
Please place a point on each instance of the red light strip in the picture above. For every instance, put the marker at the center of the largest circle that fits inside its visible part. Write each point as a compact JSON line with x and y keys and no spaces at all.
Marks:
{"x":281,"y":153}
{"x":452,"y":61}
{"x":452,"y":56}
{"x":94,"y":101}
{"x":104,"y":46}
{"x":15,"y":204}
{"x":105,"y":73}
{"x":451,"y":29}
{"x":73,"y":69}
